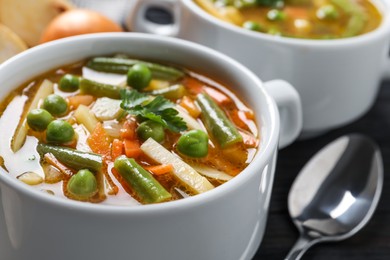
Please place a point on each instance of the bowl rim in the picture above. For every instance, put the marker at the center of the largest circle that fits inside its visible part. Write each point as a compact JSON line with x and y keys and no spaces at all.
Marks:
{"x":263,"y":156}
{"x":380,"y":31}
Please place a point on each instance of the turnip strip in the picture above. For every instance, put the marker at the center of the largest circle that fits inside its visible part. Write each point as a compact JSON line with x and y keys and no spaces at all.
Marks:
{"x":212,"y":173}
{"x":52,"y":160}
{"x":85,"y":117}
{"x":190,"y":121}
{"x":107,"y":108}
{"x":19,"y":137}
{"x":185,"y":173}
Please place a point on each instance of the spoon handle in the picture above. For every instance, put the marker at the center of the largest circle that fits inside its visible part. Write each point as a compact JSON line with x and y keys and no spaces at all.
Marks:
{"x":303,"y":243}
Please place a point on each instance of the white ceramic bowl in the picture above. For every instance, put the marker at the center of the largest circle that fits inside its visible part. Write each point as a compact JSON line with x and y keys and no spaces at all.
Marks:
{"x":225,"y":223}
{"x":337,"y":80}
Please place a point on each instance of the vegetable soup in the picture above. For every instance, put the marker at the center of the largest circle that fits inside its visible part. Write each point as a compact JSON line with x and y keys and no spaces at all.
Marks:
{"x":120,"y":131}
{"x":312,"y":19}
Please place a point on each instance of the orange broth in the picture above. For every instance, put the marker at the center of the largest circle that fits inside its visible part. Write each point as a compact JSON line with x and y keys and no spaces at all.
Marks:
{"x":311,"y":19}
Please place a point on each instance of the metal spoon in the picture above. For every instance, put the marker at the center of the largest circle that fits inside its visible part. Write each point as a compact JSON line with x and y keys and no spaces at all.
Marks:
{"x":336,"y":192}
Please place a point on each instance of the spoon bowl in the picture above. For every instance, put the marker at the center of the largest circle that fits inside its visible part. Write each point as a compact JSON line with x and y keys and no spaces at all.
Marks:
{"x":336,"y":192}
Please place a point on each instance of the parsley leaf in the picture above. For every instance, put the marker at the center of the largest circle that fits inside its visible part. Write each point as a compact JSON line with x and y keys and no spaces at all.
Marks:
{"x":159,"y":110}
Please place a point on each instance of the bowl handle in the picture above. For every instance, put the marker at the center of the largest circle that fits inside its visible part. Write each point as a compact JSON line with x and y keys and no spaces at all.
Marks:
{"x":386,"y":65}
{"x":137,"y":20}
{"x":290,"y":110}
{"x":386,"y":70}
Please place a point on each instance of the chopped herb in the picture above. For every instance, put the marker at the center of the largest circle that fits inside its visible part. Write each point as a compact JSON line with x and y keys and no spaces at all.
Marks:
{"x":269,"y":2}
{"x":32,"y":158}
{"x":159,"y":110}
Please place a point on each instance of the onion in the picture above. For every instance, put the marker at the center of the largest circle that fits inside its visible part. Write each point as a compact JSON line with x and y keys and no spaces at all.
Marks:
{"x":76,"y":22}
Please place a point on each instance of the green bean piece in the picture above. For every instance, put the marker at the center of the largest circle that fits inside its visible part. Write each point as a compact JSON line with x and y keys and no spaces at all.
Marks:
{"x":251,"y":25}
{"x":59,"y":131}
{"x":71,"y":157}
{"x":217,"y":123}
{"x":139,"y":76}
{"x":355,"y":25}
{"x":55,"y":105}
{"x":122,"y":66}
{"x":82,"y":185}
{"x":38,"y":119}
{"x":357,"y":18}
{"x":148,"y":189}
{"x":98,"y":89}
{"x":172,"y":92}
{"x":276,"y":15}
{"x":69,"y":83}
{"x":151,"y":129}
{"x":327,"y":12}
{"x":347,"y":6}
{"x":194,"y":143}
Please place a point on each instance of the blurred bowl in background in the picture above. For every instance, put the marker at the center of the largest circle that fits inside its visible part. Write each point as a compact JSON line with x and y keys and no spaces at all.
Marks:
{"x":116,"y":10}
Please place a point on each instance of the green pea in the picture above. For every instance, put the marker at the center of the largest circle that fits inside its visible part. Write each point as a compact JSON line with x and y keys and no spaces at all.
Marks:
{"x":55,"y":104}
{"x":139,"y":76}
{"x":69,"y":83}
{"x":38,"y":119}
{"x":193,"y":143}
{"x":59,"y":131}
{"x":151,"y":129}
{"x":276,"y":15}
{"x":83,"y":184}
{"x":327,"y":12}
{"x":253,"y":26}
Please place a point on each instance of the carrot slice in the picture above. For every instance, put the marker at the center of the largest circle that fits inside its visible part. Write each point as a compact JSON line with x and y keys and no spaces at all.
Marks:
{"x":116,"y":149}
{"x":159,"y":169}
{"x":239,"y":118}
{"x":218,"y":96}
{"x":128,"y":130}
{"x":132,"y":148}
{"x":193,"y":85}
{"x":75,"y":101}
{"x":190,"y":106}
{"x":249,"y":114}
{"x":99,"y":141}
{"x":249,"y":140}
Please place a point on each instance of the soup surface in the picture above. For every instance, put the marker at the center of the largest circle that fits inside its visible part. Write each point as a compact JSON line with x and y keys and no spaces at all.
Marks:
{"x":312,"y":19}
{"x":115,"y":130}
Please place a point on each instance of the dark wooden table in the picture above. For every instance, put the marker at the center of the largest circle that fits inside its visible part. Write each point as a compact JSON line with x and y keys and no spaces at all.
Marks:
{"x":373,"y":241}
